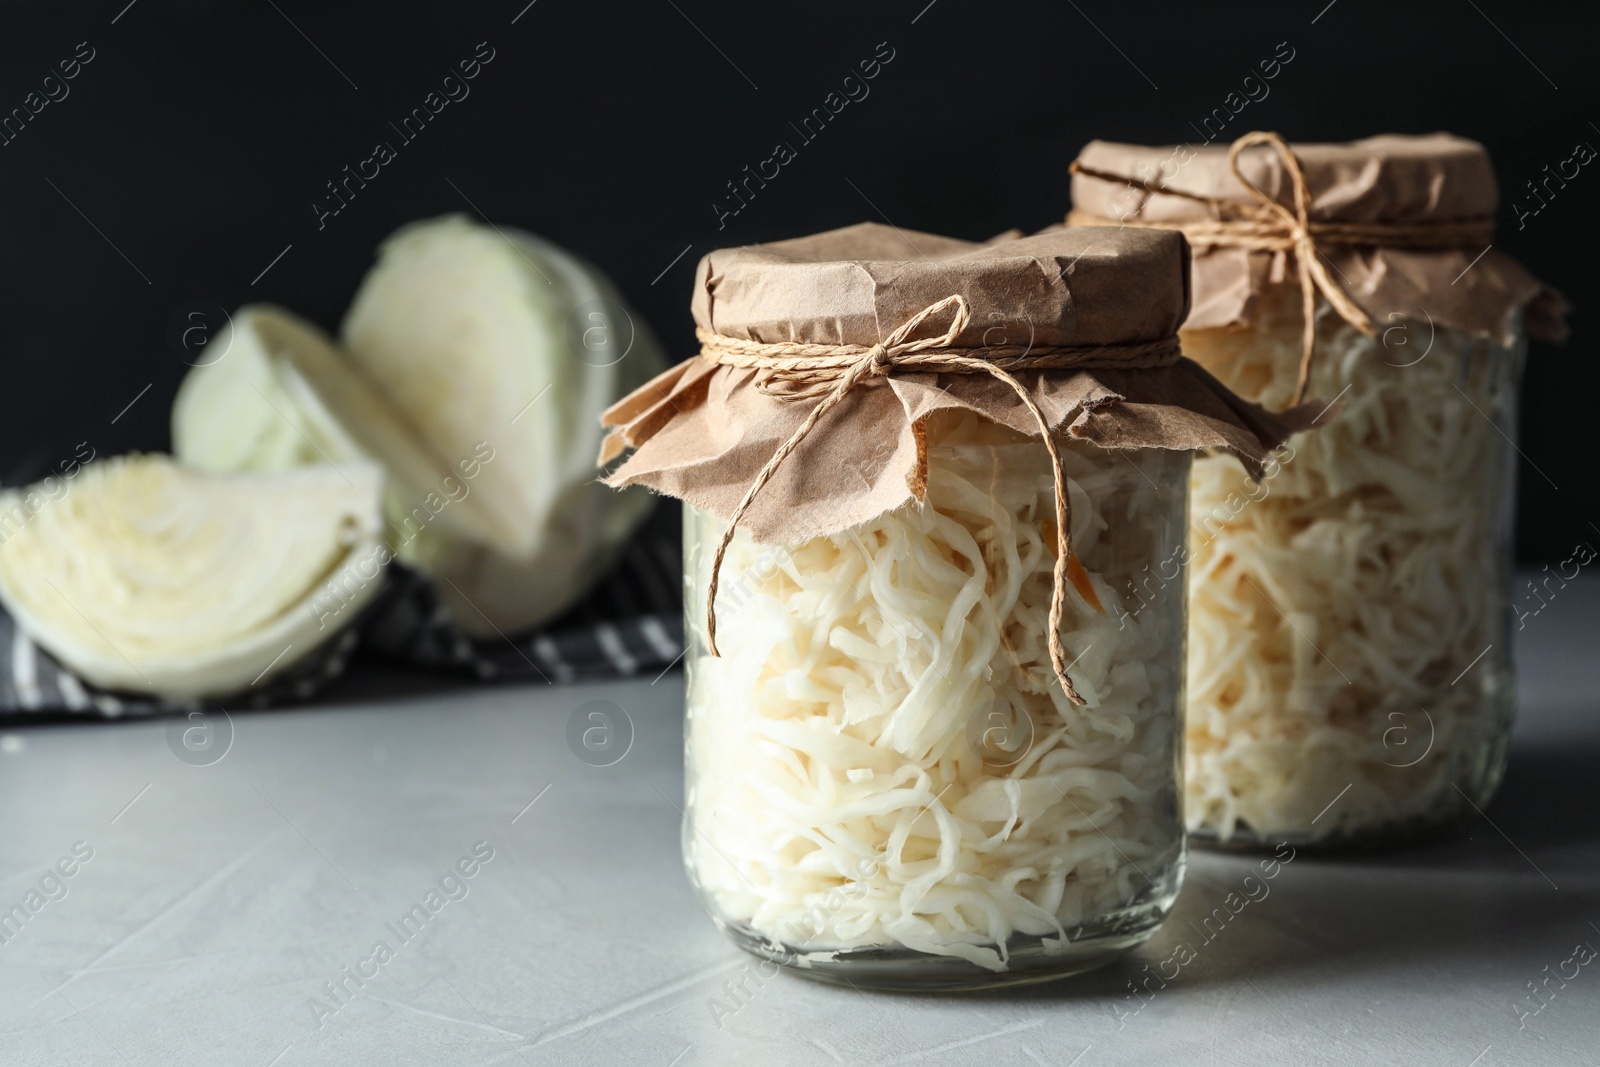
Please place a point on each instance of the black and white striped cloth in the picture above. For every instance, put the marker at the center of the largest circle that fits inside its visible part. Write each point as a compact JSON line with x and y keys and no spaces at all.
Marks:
{"x":32,"y":682}
{"x":630,"y":624}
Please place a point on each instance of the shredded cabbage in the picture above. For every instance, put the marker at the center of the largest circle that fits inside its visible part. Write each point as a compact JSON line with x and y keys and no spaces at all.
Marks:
{"x":1336,"y":608}
{"x":882,"y":757}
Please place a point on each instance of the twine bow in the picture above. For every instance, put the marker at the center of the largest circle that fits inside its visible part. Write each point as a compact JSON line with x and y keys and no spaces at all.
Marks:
{"x":1269,"y":226}
{"x":1314,"y":276}
{"x":805,"y":370}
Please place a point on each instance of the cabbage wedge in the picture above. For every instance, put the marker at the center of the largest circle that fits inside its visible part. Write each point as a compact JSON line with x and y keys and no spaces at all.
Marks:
{"x":149,"y":577}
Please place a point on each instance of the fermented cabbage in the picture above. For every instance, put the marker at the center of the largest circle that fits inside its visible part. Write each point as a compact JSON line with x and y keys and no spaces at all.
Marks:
{"x":1336,"y":608}
{"x":882,"y":757}
{"x":149,"y":577}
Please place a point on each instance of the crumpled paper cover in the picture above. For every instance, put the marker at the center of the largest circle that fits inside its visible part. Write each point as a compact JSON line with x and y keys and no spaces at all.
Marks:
{"x":702,"y":432}
{"x":1389,"y":178}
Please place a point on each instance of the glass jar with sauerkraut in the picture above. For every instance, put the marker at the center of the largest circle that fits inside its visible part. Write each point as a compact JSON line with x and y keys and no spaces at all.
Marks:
{"x":886,"y":779}
{"x":1349,"y":678}
{"x":933,"y":730}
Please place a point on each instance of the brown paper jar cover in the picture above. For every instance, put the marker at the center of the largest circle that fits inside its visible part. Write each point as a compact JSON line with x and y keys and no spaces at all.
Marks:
{"x":702,"y":431}
{"x":1391,"y":178}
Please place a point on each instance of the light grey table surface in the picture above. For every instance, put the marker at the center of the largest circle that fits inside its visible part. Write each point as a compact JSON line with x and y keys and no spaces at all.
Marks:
{"x":220,"y":898}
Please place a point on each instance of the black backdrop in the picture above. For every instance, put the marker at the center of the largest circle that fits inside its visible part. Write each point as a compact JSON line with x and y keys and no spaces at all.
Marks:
{"x":191,"y":151}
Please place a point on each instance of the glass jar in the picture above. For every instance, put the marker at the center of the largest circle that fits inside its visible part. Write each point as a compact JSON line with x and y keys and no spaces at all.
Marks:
{"x":886,"y":782}
{"x":1350,"y":676}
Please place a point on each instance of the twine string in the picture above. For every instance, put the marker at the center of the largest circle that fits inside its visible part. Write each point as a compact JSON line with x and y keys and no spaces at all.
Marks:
{"x":799,"y":370}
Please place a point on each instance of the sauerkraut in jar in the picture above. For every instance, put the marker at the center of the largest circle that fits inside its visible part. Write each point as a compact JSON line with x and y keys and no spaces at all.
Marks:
{"x":885,"y":779}
{"x":1349,"y":675}
{"x":933,"y":704}
{"x":1349,"y":657}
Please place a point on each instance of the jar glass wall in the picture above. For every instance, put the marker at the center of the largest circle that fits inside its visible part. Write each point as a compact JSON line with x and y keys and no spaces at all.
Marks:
{"x":885,"y":781}
{"x":1349,"y":664}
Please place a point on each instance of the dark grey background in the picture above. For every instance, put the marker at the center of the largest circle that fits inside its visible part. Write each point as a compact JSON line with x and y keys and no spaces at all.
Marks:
{"x":189,"y":152}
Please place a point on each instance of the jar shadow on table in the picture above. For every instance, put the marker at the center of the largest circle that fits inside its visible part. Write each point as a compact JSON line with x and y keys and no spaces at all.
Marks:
{"x":1544,"y":804}
{"x":1471,"y":898}
{"x":1539,"y":804}
{"x":1333,"y":928}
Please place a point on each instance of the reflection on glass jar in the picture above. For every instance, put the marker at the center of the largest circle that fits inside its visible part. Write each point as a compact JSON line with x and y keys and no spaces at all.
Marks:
{"x":1349,"y":661}
{"x":887,"y":782}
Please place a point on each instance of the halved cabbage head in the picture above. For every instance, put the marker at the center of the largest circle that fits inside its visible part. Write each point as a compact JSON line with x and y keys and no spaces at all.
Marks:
{"x":149,"y":577}
{"x":282,"y":395}
{"x":491,"y":341}
{"x":475,"y":366}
